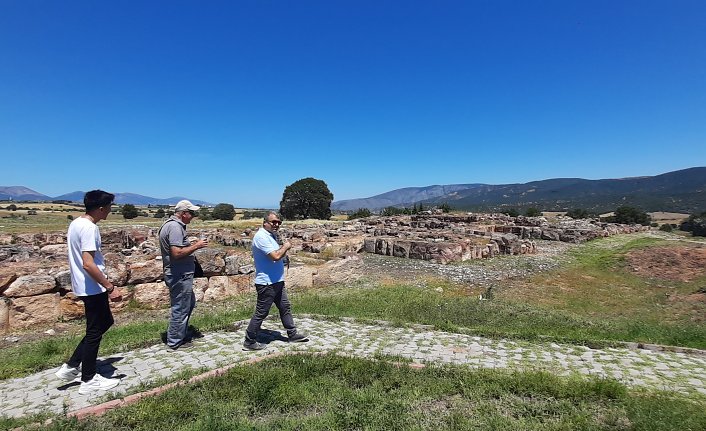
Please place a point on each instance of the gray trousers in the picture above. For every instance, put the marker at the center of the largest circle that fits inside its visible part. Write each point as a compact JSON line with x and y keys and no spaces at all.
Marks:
{"x":183,"y":301}
{"x":268,"y":294}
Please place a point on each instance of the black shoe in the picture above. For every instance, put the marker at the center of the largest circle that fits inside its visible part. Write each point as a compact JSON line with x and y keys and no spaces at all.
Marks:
{"x":253,"y":345}
{"x":298,"y":337}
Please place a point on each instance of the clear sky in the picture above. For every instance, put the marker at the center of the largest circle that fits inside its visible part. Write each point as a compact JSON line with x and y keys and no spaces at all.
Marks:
{"x":231,"y":101}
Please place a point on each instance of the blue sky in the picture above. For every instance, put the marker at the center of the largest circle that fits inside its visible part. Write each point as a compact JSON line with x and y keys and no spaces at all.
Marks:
{"x":231,"y":101}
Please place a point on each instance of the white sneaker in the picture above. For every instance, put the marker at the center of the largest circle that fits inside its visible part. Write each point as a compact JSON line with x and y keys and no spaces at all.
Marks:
{"x":97,"y":383}
{"x":67,"y":373}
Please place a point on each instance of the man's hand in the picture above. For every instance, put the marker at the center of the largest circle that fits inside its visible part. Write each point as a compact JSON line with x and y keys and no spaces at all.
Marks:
{"x":202,"y":243}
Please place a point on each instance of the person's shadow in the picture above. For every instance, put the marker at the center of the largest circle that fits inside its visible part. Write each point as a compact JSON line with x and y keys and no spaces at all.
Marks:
{"x":191,"y":333}
{"x":266,"y":336}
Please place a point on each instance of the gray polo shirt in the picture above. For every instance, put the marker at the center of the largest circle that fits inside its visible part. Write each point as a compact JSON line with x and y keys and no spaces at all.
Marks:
{"x":173,"y":232}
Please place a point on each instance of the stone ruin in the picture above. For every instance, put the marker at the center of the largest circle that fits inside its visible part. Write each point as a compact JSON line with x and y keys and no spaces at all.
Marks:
{"x":35,"y":284}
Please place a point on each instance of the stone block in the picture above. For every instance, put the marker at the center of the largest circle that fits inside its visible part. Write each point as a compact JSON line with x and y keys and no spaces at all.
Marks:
{"x":145,"y":272}
{"x":26,"y":312}
{"x":200,"y":286}
{"x":30,"y":285}
{"x":152,"y":295}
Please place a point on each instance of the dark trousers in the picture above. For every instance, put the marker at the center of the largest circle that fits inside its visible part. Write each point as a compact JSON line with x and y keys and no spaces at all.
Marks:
{"x":98,"y":320}
{"x":268,"y":294}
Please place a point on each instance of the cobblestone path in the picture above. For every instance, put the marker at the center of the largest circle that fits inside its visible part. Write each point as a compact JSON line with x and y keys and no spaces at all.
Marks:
{"x":43,"y":392}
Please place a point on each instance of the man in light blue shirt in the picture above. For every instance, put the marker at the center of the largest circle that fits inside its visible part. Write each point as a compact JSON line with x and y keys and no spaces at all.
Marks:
{"x":269,"y":258}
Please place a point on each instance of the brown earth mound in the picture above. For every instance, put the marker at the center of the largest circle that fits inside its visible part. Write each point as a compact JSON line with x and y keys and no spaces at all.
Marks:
{"x":670,"y":263}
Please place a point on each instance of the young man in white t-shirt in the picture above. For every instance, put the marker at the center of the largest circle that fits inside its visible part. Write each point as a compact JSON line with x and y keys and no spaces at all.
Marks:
{"x":89,"y":283}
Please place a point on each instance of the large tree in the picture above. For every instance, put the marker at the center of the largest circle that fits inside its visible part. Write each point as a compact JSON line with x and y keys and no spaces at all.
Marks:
{"x":306,"y":198}
{"x":223,"y":212}
{"x":129,"y":211}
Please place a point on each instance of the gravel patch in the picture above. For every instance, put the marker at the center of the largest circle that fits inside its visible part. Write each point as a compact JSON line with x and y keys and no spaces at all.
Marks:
{"x":475,"y":273}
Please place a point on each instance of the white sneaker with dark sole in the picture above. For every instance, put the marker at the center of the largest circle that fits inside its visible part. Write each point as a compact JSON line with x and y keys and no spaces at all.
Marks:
{"x":97,"y":383}
{"x":68,"y":374}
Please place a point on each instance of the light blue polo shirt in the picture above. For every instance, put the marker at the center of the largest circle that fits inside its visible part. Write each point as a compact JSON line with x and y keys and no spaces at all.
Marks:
{"x":267,"y":271}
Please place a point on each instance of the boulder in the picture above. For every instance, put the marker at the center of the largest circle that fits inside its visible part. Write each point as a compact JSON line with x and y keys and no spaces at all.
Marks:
{"x":30,"y":311}
{"x":145,"y":272}
{"x":300,"y":276}
{"x":219,"y":288}
{"x":242,"y":283}
{"x":200,"y":287}
{"x":55,"y":251}
{"x":338,"y":271}
{"x":116,"y":269}
{"x":246,"y":269}
{"x":63,"y":279}
{"x":232,"y":263}
{"x":6,"y":280}
{"x":4,"y":315}
{"x":211,"y":261}
{"x":70,"y":307}
{"x":30,"y":285}
{"x":151,"y":295}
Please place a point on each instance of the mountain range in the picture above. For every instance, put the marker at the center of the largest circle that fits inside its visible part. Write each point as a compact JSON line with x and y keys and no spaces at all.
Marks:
{"x":21,"y":193}
{"x":678,"y":191}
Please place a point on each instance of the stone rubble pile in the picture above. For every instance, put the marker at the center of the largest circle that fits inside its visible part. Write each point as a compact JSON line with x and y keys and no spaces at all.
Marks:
{"x":35,"y":283}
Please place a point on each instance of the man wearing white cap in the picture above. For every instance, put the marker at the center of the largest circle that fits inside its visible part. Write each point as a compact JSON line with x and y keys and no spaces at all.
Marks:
{"x":179,"y":265}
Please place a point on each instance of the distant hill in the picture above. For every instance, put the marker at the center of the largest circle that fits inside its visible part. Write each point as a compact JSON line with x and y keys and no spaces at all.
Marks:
{"x":678,"y":191}
{"x":21,"y":194}
{"x":401,"y":197}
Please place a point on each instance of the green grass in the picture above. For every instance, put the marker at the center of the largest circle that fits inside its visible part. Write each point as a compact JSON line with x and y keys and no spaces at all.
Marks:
{"x":453,"y":311}
{"x":302,"y":392}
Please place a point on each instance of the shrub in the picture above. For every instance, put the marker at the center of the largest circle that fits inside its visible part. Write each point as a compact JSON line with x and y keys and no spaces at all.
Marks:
{"x":445,"y":207}
{"x":360,"y":213}
{"x":666,"y":227}
{"x":205,"y":214}
{"x":306,"y":198}
{"x":11,"y":207}
{"x":159,"y":213}
{"x":69,"y":217}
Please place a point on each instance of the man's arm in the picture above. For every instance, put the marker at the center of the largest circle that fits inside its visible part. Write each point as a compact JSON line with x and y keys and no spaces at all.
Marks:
{"x":89,"y":265}
{"x":279,"y":253}
{"x":182,"y":252}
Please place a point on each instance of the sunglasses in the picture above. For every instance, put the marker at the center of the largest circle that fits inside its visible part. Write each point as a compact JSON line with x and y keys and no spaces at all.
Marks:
{"x":275,"y":222}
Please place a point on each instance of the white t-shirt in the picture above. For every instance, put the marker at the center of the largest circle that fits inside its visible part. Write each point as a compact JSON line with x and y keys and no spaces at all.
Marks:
{"x":83,"y":236}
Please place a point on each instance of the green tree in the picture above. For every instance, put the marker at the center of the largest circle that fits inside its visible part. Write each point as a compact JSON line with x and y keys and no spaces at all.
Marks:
{"x":129,"y":211}
{"x":445,"y":207}
{"x":223,"y":212}
{"x":159,"y":213}
{"x":533,"y":212}
{"x":205,"y":214}
{"x":306,"y":198}
{"x":512,"y":212}
{"x":696,"y":224}
{"x":631,"y":215}
{"x":578,"y":213}
{"x":360,"y":213}
{"x":12,"y":207}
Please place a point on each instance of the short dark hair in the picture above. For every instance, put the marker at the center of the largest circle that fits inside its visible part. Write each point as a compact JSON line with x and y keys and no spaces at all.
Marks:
{"x":96,"y":199}
{"x":269,"y":213}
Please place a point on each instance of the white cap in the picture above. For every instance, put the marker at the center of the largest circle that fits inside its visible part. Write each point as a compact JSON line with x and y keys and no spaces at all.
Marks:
{"x":185,"y":206}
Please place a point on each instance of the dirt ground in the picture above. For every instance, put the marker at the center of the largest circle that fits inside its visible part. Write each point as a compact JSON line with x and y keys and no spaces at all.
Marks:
{"x":682,"y":264}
